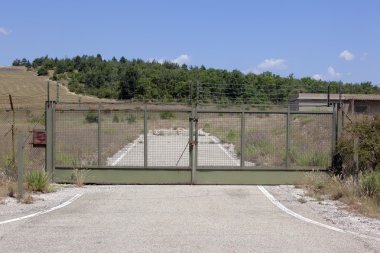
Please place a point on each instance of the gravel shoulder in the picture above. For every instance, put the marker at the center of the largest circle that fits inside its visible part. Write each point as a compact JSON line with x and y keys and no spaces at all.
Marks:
{"x":333,"y":213}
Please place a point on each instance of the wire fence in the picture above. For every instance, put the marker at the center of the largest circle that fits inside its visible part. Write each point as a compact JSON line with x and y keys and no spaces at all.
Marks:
{"x":11,"y":123}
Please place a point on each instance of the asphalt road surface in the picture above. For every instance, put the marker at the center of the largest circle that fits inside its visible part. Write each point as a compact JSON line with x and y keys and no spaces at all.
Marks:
{"x":174,"y":219}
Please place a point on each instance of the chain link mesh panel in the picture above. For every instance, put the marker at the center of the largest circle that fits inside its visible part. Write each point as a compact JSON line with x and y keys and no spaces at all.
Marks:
{"x":122,"y":138}
{"x":311,"y":140}
{"x":265,"y":139}
{"x":219,"y":139}
{"x":168,"y":137}
{"x":76,"y":138}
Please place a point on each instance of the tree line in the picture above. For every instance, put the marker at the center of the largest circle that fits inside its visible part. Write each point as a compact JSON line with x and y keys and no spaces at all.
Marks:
{"x":151,"y":80}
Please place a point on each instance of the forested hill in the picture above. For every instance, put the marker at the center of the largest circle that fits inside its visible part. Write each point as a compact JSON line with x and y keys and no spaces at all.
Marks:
{"x":138,"y":79}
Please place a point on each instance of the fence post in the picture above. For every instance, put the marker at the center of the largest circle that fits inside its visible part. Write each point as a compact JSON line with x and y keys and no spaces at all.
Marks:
{"x":333,"y":136}
{"x":196,"y":138}
{"x":99,"y":137}
{"x":191,"y":147}
{"x":57,"y":92}
{"x":356,"y":162}
{"x":145,"y":137}
{"x":288,"y":122}
{"x":49,"y":140}
{"x":242,"y":137}
{"x":20,"y":164}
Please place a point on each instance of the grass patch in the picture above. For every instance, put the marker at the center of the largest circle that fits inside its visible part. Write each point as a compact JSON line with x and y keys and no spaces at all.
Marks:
{"x":79,"y":176}
{"x":363,"y":198}
{"x":312,"y":158}
{"x":37,"y":181}
{"x":167,"y":115}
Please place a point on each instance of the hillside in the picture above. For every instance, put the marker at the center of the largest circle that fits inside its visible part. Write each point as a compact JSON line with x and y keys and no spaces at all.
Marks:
{"x":30,"y":91}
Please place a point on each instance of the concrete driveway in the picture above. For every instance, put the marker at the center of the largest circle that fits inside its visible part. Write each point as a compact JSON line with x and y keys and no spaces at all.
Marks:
{"x":174,"y":219}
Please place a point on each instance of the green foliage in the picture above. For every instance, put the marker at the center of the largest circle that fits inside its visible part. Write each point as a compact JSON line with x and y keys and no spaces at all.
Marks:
{"x":312,"y":158}
{"x":131,"y":118}
{"x":367,"y":130}
{"x":370,"y":184}
{"x":42,"y":71}
{"x":115,"y":118}
{"x":137,"y":79}
{"x":167,"y":115}
{"x":37,"y":181}
{"x":91,"y":117}
{"x":231,"y":137}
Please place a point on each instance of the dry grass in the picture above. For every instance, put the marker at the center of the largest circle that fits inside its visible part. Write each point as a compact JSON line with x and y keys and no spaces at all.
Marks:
{"x":30,"y":91}
{"x":79,"y":177}
{"x":322,"y":186}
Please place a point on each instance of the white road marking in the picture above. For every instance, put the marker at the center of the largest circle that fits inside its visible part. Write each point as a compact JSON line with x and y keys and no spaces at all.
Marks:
{"x":68,"y":202}
{"x":126,"y":151}
{"x":225,"y":150}
{"x":300,"y":217}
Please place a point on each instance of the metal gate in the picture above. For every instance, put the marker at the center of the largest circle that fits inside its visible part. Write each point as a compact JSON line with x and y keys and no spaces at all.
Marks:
{"x":187,"y":146}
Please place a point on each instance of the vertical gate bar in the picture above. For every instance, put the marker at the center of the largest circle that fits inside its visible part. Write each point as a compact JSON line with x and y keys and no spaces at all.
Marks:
{"x":99,"y":137}
{"x":145,"y":137}
{"x":49,"y":140}
{"x":196,"y":139}
{"x":191,"y":147}
{"x":20,"y":164}
{"x":333,"y":135}
{"x":288,"y":122}
{"x":53,"y":132}
{"x":242,"y":137}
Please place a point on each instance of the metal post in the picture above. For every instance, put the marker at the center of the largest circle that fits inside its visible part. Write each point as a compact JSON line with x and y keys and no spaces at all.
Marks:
{"x":288,"y":122}
{"x":57,"y":92}
{"x":48,"y":91}
{"x":242,"y":137}
{"x":49,"y":140}
{"x":196,"y":139}
{"x":356,"y":162}
{"x":99,"y":137}
{"x":20,"y":164}
{"x":191,"y":147}
{"x":145,"y":137}
{"x":13,"y":130}
{"x":333,"y":135}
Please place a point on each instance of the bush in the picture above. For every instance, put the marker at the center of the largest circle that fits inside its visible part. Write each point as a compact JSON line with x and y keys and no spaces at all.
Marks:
{"x":131,"y":118}
{"x":115,"y":118}
{"x":370,"y":184}
{"x":166,"y":115}
{"x":91,"y":117}
{"x":37,"y":181}
{"x":367,"y":130}
{"x":42,"y":71}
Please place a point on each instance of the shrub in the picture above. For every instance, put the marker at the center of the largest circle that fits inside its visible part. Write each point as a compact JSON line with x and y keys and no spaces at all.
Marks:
{"x":115,"y":118}
{"x":312,"y":158}
{"x":166,"y":115}
{"x":131,"y":118}
{"x":370,"y":184}
{"x":42,"y":71}
{"x":37,"y":181}
{"x":91,"y":117}
{"x":367,"y":130}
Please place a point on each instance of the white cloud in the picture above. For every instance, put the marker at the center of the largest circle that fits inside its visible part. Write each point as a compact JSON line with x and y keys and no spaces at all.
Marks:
{"x":4,"y":31}
{"x":346,"y":55}
{"x":333,"y":74}
{"x":270,"y":64}
{"x":182,"y":59}
{"x":317,"y":77}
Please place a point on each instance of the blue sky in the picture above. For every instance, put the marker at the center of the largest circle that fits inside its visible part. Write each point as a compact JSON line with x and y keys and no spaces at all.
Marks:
{"x":331,"y":40}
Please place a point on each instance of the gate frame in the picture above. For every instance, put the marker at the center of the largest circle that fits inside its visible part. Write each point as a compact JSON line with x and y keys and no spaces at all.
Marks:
{"x":192,"y":174}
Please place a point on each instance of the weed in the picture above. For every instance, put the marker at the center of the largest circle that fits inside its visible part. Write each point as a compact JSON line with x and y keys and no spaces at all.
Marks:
{"x":37,"y":181}
{"x":115,"y":118}
{"x":167,"y":115}
{"x":370,"y":184}
{"x":91,"y":117}
{"x":311,"y":158}
{"x":131,"y":118}
{"x":79,"y":177}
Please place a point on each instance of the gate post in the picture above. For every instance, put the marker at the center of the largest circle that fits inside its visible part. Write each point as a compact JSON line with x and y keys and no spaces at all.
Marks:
{"x":242,"y":135}
{"x":49,"y":153}
{"x":191,"y":147}
{"x":20,"y":164}
{"x":99,"y":137}
{"x":145,"y":137}
{"x":288,"y":122}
